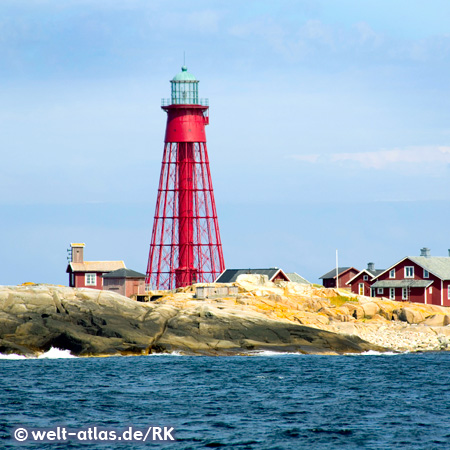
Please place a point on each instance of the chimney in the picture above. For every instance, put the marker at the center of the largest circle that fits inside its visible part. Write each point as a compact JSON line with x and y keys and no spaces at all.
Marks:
{"x":425,"y":252}
{"x":371,"y":266}
{"x":77,"y":253}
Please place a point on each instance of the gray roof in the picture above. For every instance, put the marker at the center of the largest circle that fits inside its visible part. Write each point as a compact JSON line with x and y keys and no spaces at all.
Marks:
{"x":375,"y":272}
{"x":402,"y":283}
{"x":437,"y":265}
{"x":124,"y":273}
{"x":332,"y":273}
{"x":230,"y":275}
{"x":296,"y":278}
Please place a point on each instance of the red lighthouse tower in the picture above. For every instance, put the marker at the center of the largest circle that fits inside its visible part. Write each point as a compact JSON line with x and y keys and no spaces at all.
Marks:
{"x":185,"y":246}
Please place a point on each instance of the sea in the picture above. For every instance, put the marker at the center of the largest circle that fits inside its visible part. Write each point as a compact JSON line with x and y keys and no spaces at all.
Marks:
{"x":261,"y":401}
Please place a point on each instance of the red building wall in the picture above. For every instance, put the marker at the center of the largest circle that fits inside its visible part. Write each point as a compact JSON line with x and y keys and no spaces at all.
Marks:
{"x":79,"y":279}
{"x":354,"y":286}
{"x":445,"y":293}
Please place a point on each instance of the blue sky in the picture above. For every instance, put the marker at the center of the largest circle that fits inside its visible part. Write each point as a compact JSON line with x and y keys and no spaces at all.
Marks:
{"x":329,"y":128}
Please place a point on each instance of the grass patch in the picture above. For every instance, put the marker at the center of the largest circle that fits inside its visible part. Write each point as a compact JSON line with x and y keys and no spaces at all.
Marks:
{"x":339,"y":300}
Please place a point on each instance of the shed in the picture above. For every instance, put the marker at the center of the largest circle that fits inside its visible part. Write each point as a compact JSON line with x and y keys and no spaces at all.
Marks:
{"x":126,"y":282}
{"x":344,"y":275}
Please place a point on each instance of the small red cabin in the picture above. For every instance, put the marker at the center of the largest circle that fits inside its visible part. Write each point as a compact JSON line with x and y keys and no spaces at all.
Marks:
{"x":344,"y":274}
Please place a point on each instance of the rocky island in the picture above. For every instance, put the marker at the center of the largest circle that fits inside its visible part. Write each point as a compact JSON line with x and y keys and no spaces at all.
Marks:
{"x":284,"y":317}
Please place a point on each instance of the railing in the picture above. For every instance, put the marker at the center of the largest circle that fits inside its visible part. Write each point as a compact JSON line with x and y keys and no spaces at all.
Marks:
{"x":177,"y":101}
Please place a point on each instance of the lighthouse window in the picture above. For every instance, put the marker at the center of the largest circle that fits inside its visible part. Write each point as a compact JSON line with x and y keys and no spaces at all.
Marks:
{"x":90,"y":279}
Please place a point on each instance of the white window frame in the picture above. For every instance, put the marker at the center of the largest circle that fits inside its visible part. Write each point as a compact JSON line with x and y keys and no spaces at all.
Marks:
{"x":448,"y":291}
{"x":392,"y":293}
{"x":430,"y":290}
{"x":88,"y":279}
{"x":380,"y":290}
{"x":405,"y":293}
{"x":365,"y":277}
{"x":409,"y":271}
{"x":392,"y":273}
{"x":426,"y":274}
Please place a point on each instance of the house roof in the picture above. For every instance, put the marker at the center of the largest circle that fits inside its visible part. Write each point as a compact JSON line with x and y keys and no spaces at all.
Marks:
{"x":296,"y":278}
{"x":332,"y":273}
{"x":436,"y":265}
{"x":124,"y":273}
{"x":401,"y":283}
{"x":371,"y":273}
{"x":95,"y":266}
{"x":230,"y":275}
{"x":375,"y":272}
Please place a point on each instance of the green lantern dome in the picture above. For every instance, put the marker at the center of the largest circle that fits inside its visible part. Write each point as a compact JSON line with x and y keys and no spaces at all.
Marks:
{"x":184,"y":75}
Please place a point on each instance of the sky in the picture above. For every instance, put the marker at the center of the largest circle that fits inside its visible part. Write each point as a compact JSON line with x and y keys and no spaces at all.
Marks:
{"x":329,"y":129}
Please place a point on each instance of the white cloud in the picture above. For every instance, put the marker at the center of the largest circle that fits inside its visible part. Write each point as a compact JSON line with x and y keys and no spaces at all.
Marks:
{"x":418,"y":157}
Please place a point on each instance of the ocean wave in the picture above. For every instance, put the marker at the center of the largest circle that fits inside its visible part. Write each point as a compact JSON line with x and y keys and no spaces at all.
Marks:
{"x":53,"y":353}
{"x":174,"y":353}
{"x":271,"y":353}
{"x":374,"y":353}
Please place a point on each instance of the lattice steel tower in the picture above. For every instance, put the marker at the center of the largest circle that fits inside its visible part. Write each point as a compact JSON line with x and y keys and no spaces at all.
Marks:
{"x":185,"y":246}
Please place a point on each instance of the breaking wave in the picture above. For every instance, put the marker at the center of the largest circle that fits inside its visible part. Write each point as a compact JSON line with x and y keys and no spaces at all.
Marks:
{"x":53,"y":353}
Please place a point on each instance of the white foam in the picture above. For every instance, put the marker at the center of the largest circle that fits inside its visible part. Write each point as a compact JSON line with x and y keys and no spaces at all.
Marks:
{"x":13,"y":356}
{"x":56,"y":353}
{"x":374,"y":353}
{"x":271,"y":353}
{"x":174,"y":353}
{"x":53,"y":353}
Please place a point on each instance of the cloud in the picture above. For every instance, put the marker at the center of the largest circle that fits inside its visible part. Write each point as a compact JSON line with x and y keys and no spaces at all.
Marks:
{"x":413,"y":157}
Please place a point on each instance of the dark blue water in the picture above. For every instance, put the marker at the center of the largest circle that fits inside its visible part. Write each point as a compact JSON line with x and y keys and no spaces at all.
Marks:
{"x":262,"y":402}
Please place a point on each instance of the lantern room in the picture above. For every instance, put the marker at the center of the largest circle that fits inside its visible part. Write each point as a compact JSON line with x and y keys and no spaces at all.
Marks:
{"x":184,"y":88}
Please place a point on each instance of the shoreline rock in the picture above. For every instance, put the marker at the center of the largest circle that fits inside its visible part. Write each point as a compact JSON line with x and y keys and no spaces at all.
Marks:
{"x":287,"y":317}
{"x":88,"y":323}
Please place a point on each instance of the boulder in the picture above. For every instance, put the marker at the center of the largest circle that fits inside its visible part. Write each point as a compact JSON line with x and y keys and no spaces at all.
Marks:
{"x":356,"y":311}
{"x":435,"y":320}
{"x":370,"y":309}
{"x":410,"y":315}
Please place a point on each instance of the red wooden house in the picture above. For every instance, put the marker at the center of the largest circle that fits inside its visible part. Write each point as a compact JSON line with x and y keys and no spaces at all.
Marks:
{"x":344,"y":275}
{"x":361,"y":283}
{"x":419,"y":279}
{"x":88,"y":274}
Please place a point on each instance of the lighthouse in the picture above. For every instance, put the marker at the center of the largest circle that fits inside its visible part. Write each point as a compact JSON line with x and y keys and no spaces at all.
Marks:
{"x":185,"y":245}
